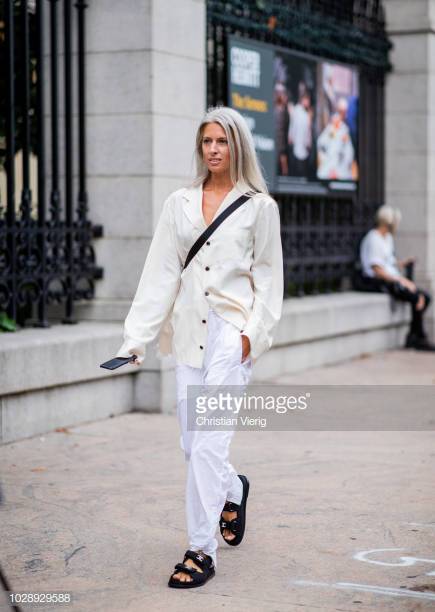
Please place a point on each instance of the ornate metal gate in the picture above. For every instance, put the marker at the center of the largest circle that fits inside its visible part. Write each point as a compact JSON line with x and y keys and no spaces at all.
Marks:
{"x":319,"y":233}
{"x":46,"y":253}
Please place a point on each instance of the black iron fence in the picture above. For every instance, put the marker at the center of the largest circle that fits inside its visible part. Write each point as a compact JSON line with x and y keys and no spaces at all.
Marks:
{"x":320,"y":234}
{"x":46,"y":252}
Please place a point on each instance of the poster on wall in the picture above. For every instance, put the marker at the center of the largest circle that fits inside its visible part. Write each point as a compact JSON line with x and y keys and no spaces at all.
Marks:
{"x":337,"y":122}
{"x":303,"y":113}
{"x":251,"y":93}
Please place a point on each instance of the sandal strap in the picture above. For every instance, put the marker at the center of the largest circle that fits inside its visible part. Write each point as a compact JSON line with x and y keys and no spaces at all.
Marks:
{"x":201,"y":559}
{"x":233,"y":525}
{"x":185,"y":568}
{"x":231,"y":507}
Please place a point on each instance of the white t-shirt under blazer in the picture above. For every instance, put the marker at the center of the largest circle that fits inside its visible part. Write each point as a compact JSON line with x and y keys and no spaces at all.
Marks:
{"x":238,"y":273}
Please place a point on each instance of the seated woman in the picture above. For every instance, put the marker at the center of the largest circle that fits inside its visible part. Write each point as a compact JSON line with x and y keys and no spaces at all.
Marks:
{"x":381,"y":271}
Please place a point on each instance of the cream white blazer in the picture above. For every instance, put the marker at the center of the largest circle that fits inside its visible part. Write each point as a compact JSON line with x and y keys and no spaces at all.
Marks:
{"x":238,"y":272}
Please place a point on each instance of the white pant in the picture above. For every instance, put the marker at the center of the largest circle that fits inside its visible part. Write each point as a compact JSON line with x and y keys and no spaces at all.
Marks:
{"x":211,"y":479}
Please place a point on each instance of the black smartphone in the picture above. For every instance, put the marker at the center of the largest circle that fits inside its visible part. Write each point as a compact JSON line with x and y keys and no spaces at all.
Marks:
{"x":117,"y":362}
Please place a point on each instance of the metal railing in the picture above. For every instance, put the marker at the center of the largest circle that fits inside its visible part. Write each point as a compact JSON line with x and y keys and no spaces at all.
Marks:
{"x":319,"y":233}
{"x":46,"y":252}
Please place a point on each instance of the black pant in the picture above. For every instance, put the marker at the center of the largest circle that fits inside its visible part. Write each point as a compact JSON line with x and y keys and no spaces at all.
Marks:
{"x":367,"y":283}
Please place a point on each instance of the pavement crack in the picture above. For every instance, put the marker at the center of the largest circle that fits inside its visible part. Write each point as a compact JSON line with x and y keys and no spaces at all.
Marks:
{"x":73,"y":553}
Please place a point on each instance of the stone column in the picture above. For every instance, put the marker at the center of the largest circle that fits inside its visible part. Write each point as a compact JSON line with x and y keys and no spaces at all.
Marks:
{"x":146,"y":91}
{"x":410,"y":134}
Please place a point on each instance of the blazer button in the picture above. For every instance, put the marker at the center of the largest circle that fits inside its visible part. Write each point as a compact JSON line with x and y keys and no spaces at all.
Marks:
{"x":201,"y":347}
{"x":207,"y":268}
{"x":204,"y":321}
{"x":206,"y":293}
{"x":208,"y":242}
{"x":241,"y":331}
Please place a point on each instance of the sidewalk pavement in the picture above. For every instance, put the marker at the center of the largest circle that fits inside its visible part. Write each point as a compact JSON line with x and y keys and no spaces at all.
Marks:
{"x":336,"y":520}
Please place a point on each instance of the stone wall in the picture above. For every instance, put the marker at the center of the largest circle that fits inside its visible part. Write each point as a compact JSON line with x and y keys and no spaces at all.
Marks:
{"x":146,"y":91}
{"x":410,"y":133}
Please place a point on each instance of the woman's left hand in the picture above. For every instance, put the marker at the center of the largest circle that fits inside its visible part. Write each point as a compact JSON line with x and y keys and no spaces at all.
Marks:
{"x":246,"y":348}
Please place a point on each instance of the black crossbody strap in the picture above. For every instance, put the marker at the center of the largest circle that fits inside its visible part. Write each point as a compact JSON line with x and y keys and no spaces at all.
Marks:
{"x":211,"y":228}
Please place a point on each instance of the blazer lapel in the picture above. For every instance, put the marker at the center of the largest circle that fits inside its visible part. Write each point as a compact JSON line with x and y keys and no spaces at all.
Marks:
{"x":192,"y":206}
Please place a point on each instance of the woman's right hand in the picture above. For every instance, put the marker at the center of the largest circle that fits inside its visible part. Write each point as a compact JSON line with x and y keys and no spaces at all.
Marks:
{"x":137,"y":360}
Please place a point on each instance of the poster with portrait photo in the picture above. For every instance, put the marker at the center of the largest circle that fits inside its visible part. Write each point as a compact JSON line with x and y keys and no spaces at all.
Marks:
{"x":295,"y":98}
{"x":337,"y":122}
{"x":303,"y":114}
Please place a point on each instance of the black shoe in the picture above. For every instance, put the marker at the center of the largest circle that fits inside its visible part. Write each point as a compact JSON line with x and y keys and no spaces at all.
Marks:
{"x":236,"y":525}
{"x":203,"y":561}
{"x":411,"y":340}
{"x":419,"y":343}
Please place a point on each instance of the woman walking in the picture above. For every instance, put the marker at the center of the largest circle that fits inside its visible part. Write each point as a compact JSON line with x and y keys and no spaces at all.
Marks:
{"x":216,"y":312}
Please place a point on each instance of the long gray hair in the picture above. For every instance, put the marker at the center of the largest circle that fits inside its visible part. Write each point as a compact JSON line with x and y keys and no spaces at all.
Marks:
{"x":245,"y":172}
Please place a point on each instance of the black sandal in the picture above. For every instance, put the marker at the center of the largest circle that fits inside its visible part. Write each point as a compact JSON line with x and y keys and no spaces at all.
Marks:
{"x":236,"y":525}
{"x":205,"y":562}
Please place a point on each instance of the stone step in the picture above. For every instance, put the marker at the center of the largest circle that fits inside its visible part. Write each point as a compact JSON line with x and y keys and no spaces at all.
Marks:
{"x":51,"y":377}
{"x":324,"y":329}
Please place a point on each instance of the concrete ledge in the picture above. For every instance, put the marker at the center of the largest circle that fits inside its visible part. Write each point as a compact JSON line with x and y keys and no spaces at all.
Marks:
{"x":52,"y":378}
{"x":34,"y":358}
{"x":325,"y":316}
{"x":301,"y":356}
{"x":32,"y":413}
{"x":319,"y":330}
{"x":98,"y":309}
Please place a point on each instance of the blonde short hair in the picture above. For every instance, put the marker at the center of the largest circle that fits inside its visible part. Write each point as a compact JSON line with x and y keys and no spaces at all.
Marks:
{"x":387,"y":215}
